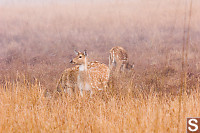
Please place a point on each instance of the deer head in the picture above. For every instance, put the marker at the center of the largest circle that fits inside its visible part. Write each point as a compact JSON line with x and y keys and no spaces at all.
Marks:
{"x":80,"y":59}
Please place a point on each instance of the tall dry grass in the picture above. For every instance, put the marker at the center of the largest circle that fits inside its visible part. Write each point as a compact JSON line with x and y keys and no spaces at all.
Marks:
{"x":24,"y":108}
{"x":38,"y":40}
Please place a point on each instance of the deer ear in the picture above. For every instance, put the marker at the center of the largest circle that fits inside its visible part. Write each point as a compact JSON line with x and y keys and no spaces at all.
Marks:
{"x":76,"y":52}
{"x":133,"y":65}
{"x":85,"y":52}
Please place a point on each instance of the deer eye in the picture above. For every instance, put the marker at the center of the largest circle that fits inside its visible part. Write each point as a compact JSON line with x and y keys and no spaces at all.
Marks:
{"x":80,"y":56}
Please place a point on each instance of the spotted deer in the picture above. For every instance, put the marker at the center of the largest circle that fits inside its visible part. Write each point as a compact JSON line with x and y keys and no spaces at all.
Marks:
{"x":118,"y":59}
{"x":68,"y":80}
{"x":92,"y":76}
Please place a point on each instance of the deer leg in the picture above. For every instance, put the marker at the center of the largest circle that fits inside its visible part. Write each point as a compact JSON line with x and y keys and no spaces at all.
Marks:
{"x":118,"y":67}
{"x":69,"y":91}
{"x":81,"y":92}
{"x":91,"y":93}
{"x":123,"y":66}
{"x":81,"y":89}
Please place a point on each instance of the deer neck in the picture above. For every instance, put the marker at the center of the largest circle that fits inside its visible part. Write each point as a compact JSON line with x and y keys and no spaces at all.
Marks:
{"x":83,"y":73}
{"x":83,"y":67}
{"x":83,"y":77}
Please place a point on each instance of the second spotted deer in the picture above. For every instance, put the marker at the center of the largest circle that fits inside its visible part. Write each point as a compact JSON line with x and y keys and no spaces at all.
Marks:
{"x":118,"y":59}
{"x":92,"y":76}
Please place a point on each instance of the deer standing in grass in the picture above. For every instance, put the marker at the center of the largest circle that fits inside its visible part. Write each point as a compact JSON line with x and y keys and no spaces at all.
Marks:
{"x":68,"y":80}
{"x":92,"y":76}
{"x":118,"y":59}
{"x":118,"y":62}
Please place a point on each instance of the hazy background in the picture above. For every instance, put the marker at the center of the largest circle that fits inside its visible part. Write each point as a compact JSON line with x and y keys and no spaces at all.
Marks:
{"x":32,"y":2}
{"x":39,"y":39}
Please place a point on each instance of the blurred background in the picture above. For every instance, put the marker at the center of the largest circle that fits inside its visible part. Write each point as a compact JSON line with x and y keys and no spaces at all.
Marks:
{"x":37,"y":38}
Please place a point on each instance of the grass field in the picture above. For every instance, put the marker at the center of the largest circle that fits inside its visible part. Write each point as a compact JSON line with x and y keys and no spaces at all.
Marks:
{"x":24,"y":108}
{"x":37,"y":41}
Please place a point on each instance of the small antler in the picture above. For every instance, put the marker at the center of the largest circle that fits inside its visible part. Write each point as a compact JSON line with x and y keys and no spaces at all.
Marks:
{"x":85,"y":52}
{"x":76,"y":52}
